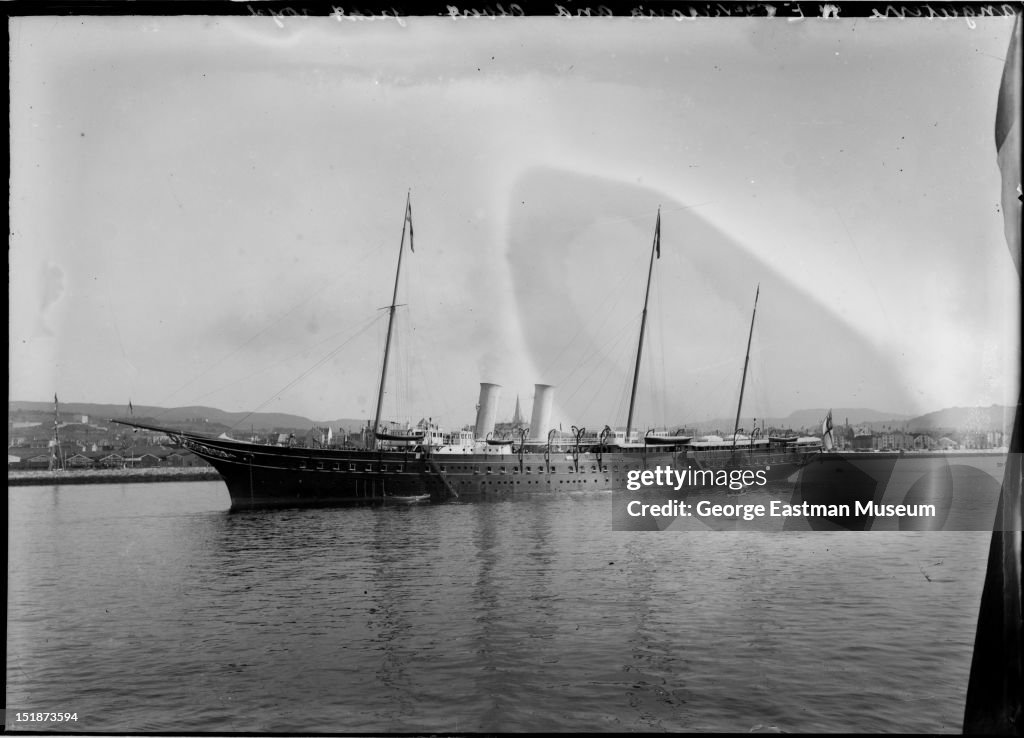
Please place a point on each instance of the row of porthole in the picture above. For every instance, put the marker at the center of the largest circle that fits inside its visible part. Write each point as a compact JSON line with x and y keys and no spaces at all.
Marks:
{"x":475,"y":470}
{"x":352,"y":467}
{"x":529,"y":470}
{"x":560,"y":481}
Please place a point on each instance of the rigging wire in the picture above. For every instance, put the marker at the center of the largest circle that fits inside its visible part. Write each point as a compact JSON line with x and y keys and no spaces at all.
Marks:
{"x":601,"y":348}
{"x":662,"y":384}
{"x":238,"y":380}
{"x":652,"y":393}
{"x":309,"y":371}
{"x":622,"y":408}
{"x":229,"y":354}
{"x":597,"y":350}
{"x":425,"y":357}
{"x":607,"y":348}
{"x":210,"y":367}
{"x":610,"y":307}
{"x":756,"y":377}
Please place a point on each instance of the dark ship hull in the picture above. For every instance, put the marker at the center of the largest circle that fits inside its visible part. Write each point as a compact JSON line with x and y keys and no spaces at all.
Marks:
{"x":260,"y":476}
{"x":263,"y":476}
{"x":963,"y":486}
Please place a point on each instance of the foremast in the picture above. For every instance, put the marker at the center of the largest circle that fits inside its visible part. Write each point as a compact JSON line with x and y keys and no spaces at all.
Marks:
{"x":746,"y":360}
{"x":655,"y":251}
{"x":56,"y":459}
{"x":406,"y":222}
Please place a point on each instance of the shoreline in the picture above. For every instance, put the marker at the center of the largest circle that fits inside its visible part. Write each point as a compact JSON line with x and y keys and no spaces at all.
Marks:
{"x":42,"y":477}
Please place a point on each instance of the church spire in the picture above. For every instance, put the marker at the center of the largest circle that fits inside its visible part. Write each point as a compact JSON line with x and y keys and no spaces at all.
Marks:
{"x":517,"y":417}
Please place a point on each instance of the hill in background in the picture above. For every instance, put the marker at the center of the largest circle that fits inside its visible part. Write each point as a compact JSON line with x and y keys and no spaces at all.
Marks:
{"x":810,"y":419}
{"x":973,"y":419}
{"x":851,"y":415}
{"x":210,"y":419}
{"x":994,"y":417}
{"x":192,"y":415}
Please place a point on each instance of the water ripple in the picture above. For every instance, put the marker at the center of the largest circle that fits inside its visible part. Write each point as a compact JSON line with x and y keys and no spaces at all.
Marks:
{"x":150,"y":608}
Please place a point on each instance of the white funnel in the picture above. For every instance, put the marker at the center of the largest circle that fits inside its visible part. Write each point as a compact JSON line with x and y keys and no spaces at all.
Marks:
{"x":543,"y":395}
{"x":487,"y":409}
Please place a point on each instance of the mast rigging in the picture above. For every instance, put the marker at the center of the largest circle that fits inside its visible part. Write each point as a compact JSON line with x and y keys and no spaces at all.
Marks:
{"x":407,"y":221}
{"x":743,"y":382}
{"x":655,"y":251}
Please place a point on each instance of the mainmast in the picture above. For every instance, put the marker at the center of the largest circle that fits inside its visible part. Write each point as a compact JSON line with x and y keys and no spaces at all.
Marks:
{"x":407,"y":221}
{"x":655,"y":250}
{"x":736,"y":426}
{"x":56,"y":462}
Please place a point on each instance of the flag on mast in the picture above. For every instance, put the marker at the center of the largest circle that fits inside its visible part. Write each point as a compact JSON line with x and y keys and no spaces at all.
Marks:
{"x":408,"y":219}
{"x":826,"y":432}
{"x":657,"y":235}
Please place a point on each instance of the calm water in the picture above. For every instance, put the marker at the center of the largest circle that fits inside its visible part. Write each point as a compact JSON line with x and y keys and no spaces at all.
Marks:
{"x":148,"y":607}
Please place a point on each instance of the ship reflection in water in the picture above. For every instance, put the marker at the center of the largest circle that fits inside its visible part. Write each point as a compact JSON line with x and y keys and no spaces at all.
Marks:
{"x":150,"y":608}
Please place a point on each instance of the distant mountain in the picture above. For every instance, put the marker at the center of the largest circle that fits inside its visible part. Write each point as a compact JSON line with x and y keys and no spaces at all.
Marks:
{"x":840,"y":415}
{"x":993,"y":417}
{"x":99,"y":413}
{"x":809,"y":419}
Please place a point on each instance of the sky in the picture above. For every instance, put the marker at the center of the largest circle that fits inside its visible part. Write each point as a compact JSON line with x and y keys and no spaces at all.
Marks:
{"x":209,"y":210}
